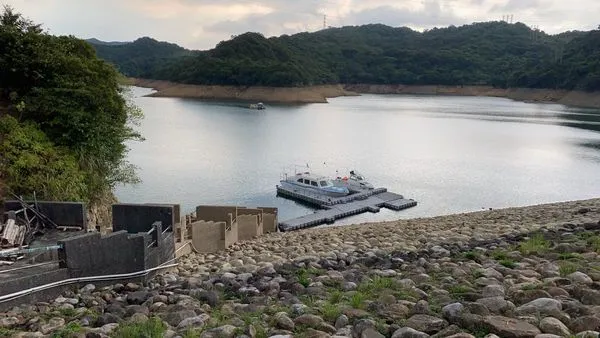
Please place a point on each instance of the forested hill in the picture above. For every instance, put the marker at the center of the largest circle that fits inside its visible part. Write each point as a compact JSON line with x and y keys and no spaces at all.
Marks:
{"x":490,"y":53}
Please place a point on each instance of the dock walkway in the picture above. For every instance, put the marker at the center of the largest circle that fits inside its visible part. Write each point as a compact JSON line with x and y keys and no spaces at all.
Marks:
{"x":335,"y":208}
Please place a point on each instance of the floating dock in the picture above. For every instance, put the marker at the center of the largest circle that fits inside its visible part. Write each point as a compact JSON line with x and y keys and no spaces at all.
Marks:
{"x":332,"y":208}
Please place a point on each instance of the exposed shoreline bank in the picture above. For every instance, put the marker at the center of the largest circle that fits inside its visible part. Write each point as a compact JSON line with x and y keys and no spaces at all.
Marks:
{"x":313,"y":94}
{"x":320,"y":94}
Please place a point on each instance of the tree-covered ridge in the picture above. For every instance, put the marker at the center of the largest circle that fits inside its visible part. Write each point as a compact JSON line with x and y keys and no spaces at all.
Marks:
{"x":138,"y":57}
{"x":65,"y":119}
{"x":489,"y":53}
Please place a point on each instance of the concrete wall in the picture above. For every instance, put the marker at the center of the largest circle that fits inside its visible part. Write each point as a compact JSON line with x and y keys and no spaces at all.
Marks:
{"x":248,"y":227}
{"x":92,"y":254}
{"x":230,"y":234}
{"x":215,"y":213}
{"x":207,"y":236}
{"x":136,"y":218}
{"x":270,"y":221}
{"x":61,"y":213}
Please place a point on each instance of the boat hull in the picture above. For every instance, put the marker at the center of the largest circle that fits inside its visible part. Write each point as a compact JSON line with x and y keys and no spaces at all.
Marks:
{"x":330,"y":191}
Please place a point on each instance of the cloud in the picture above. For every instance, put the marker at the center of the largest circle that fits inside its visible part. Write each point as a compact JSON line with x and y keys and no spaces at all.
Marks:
{"x":200,"y":24}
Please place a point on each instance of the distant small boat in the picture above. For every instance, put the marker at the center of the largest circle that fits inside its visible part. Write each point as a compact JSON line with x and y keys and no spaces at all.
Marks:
{"x":355,"y":180}
{"x":259,"y":106}
{"x":318,"y":184}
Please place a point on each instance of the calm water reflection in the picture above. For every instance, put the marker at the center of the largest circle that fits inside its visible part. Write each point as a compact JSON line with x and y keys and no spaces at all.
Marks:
{"x":452,"y":154}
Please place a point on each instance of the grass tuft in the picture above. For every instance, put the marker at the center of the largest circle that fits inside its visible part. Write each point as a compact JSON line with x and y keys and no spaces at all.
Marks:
{"x":357,"y":300}
{"x":566,"y":268}
{"x":152,"y":328}
{"x":509,"y":263}
{"x":330,"y":312}
{"x":537,"y":244}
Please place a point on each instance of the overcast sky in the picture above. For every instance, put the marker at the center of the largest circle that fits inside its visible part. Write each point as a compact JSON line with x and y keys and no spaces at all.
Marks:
{"x":200,"y":24}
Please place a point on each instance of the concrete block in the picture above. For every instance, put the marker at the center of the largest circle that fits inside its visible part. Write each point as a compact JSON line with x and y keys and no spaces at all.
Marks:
{"x":61,"y":213}
{"x":135,"y":218}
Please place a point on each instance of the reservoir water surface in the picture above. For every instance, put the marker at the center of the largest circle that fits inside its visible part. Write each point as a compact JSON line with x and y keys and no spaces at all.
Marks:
{"x":451,"y":154}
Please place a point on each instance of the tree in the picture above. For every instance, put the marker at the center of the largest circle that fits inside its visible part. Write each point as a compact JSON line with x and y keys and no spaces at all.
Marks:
{"x":57,"y":86}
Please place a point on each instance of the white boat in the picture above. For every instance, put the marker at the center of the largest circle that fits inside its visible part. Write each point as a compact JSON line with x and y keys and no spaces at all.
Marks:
{"x":259,"y":106}
{"x":355,"y":181}
{"x":316,"y":183}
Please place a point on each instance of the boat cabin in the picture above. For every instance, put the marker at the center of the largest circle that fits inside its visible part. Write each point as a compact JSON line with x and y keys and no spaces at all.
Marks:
{"x":313,"y":181}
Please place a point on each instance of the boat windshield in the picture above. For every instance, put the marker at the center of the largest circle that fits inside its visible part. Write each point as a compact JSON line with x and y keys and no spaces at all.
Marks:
{"x":325,"y":183}
{"x":358,"y":177}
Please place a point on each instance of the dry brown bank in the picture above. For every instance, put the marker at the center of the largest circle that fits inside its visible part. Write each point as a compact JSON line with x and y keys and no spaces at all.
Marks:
{"x":312,"y":94}
{"x":571,"y":98}
{"x":319,"y":94}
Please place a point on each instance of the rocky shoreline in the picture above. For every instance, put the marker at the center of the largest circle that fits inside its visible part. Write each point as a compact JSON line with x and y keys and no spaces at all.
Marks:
{"x":516,"y":272}
{"x":320,"y":94}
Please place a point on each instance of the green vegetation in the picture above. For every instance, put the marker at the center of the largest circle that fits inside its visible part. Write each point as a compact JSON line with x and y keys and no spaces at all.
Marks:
{"x":489,"y":53}
{"x":70,"y":330}
{"x":4,"y":332}
{"x":152,"y":328}
{"x":509,"y":263}
{"x":537,"y":244}
{"x":330,"y":311}
{"x":567,"y":268}
{"x":64,"y":118}
{"x":565,"y":256}
{"x":594,"y":243}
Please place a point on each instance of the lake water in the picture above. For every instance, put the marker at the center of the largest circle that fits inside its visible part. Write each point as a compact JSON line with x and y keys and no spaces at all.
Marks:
{"x":451,"y":154}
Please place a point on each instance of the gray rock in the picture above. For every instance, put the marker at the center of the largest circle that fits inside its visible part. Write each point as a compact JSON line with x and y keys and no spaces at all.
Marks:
{"x":452,"y":312}
{"x":308,"y":320}
{"x":585,"y":323}
{"x":9,"y":322}
{"x":299,"y":309}
{"x":349,"y":286}
{"x":133,"y":309}
{"x":193,"y":322}
{"x":510,"y":327}
{"x":449,"y":331}
{"x":225,"y":331}
{"x":588,"y":296}
{"x":108,"y":328}
{"x":341,"y":321}
{"x":130,"y":286}
{"x":312,"y":333}
{"x":542,"y":306}
{"x":407,"y":332}
{"x":88,"y":288}
{"x":439,"y":252}
{"x":492,"y":273}
{"x":176,"y":317}
{"x":588,"y":334}
{"x":427,"y":324}
{"x":361,"y":326}
{"x":493,"y":291}
{"x":138,"y":297}
{"x":497,"y":305}
{"x":554,"y":326}
{"x":209,"y":297}
{"x":548,"y":335}
{"x":282,"y":321}
{"x":107,"y":318}
{"x":421,"y":307}
{"x":371,"y":333}
{"x":580,"y":278}
{"x":138,"y":318}
{"x":52,"y":325}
